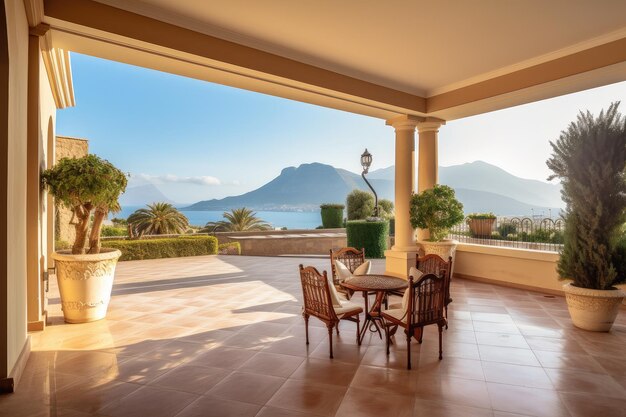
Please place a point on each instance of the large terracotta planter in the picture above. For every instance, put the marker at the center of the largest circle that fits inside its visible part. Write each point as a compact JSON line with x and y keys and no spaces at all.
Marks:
{"x":481,"y":227}
{"x":593,"y":310}
{"x":444,"y":248}
{"x":85,"y":283}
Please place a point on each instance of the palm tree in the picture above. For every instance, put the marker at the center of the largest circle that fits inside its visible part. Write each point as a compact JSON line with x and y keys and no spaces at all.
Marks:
{"x":157,"y":219}
{"x":238,"y":220}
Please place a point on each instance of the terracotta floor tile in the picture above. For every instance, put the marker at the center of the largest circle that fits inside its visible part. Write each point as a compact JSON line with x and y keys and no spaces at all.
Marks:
{"x":307,"y":397}
{"x":325,"y":371}
{"x":527,"y":376}
{"x":246,"y":387}
{"x":426,"y":408}
{"x":527,"y":401}
{"x":454,"y":390}
{"x":222,"y":357}
{"x":586,"y":382}
{"x":502,"y":339}
{"x":281,"y":412}
{"x":359,"y":402}
{"x":508,"y":355}
{"x":388,"y":381}
{"x":149,"y":401}
{"x":193,"y":379}
{"x":584,"y":405}
{"x":212,"y":406}
{"x":272,"y":364}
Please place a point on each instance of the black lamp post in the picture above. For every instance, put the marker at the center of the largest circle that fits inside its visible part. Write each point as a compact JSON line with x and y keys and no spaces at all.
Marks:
{"x":366,"y":162}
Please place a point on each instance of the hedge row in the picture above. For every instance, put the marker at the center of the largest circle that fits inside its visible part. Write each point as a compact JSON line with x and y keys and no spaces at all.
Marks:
{"x":164,"y":248}
{"x":372,"y":236}
{"x":332,"y":216}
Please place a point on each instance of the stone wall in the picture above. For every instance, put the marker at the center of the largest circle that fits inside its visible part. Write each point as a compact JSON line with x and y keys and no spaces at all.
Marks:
{"x":286,"y":242}
{"x":67,"y":147}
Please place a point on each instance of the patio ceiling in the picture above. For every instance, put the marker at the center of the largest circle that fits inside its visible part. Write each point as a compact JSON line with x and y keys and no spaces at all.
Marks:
{"x":445,"y":59}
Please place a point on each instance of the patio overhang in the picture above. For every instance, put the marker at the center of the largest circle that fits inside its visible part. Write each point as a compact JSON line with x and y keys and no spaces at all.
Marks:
{"x":183,"y":39}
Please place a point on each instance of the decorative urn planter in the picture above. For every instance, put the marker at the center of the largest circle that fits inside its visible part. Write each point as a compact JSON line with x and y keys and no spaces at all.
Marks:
{"x":593,"y":310}
{"x":481,"y":227}
{"x":85,"y":283}
{"x":444,"y":248}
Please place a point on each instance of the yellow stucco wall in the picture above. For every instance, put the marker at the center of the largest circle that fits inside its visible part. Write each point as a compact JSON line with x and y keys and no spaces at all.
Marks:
{"x":17,"y":28}
{"x":524,"y":268}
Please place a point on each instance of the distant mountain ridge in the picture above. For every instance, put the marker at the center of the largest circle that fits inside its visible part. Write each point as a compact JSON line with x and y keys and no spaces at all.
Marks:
{"x":143,"y":194}
{"x":481,"y":187}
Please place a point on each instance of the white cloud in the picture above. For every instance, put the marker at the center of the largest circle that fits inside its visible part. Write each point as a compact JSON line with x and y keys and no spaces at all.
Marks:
{"x":170,"y":178}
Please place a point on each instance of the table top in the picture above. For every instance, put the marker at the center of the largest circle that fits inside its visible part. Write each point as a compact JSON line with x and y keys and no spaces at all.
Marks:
{"x":374,"y":283}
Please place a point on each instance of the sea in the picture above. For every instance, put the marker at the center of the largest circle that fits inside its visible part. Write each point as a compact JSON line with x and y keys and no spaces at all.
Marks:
{"x":278,"y":219}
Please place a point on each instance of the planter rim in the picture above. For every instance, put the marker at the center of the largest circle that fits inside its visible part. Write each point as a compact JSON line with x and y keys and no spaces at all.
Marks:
{"x":444,"y":242}
{"x":105,"y":254}
{"x":569,"y":288}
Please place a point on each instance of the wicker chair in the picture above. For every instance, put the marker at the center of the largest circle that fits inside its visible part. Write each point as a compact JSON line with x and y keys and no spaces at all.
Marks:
{"x":435,"y":264}
{"x":352,"y":258}
{"x":318,"y":303}
{"x":424,"y":307}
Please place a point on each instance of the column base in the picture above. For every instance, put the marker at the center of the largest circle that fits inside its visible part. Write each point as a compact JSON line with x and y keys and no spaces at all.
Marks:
{"x":399,"y":260}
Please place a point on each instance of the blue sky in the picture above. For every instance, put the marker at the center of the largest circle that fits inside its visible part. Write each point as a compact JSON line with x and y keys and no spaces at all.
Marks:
{"x":196,"y":140}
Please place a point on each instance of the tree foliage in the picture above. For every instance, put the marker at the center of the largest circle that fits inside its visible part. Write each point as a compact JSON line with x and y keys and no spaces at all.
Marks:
{"x":237,"y":220}
{"x":589,"y":158}
{"x":360,"y":204}
{"x":157,"y":219}
{"x":437,"y":210}
{"x":85,"y":185}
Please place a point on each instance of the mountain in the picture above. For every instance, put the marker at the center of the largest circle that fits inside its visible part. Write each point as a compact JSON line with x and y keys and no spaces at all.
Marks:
{"x":301,"y":188}
{"x":481,"y":176}
{"x":143,"y":194}
{"x":480,"y":187}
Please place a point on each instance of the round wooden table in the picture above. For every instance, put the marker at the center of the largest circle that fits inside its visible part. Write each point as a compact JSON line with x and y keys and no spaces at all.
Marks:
{"x":380,"y":284}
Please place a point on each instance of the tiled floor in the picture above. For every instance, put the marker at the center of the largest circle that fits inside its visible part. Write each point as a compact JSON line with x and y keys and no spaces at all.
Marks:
{"x":223,"y":336}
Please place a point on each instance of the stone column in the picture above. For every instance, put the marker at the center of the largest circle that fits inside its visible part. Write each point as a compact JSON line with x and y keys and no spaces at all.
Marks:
{"x":428,"y":171}
{"x":402,"y":254}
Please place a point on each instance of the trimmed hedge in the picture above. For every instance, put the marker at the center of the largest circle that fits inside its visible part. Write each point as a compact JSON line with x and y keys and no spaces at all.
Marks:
{"x":372,"y":236}
{"x":332,"y":216}
{"x":164,"y":248}
{"x":229,"y":248}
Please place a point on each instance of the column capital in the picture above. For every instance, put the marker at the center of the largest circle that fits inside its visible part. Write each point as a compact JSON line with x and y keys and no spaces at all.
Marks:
{"x":405,"y":122}
{"x":430,"y":124}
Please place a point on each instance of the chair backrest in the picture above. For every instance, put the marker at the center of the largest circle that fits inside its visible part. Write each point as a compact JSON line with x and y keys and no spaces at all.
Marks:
{"x":435,"y":264}
{"x":427,"y":300}
{"x":352,"y":258}
{"x":316,"y":294}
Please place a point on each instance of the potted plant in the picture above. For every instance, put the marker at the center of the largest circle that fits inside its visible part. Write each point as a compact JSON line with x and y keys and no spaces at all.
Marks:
{"x":437,"y":210}
{"x":481,"y":224}
{"x":589,"y":158}
{"x":90,"y":187}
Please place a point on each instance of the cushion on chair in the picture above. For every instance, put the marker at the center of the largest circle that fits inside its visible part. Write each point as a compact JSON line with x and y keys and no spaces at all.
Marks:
{"x":343,"y":273}
{"x":416,"y":274}
{"x":334,"y":295}
{"x":363,"y":269}
{"x":397,"y":313}
{"x":347,"y":308}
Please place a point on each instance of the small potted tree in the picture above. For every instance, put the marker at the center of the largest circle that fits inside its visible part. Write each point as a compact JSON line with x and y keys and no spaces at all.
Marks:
{"x":481,"y":224}
{"x":90,"y":187}
{"x":590,"y":158}
{"x":437,"y":210}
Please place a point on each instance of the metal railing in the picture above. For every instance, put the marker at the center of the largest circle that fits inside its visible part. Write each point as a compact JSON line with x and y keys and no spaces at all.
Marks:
{"x":536,"y":233}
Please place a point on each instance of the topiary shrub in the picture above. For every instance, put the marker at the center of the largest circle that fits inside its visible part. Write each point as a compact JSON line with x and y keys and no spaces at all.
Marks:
{"x":385,"y":208}
{"x":332,"y":215}
{"x":229,"y":248}
{"x":165,"y":248}
{"x":372,"y":236}
{"x":360,"y":205}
